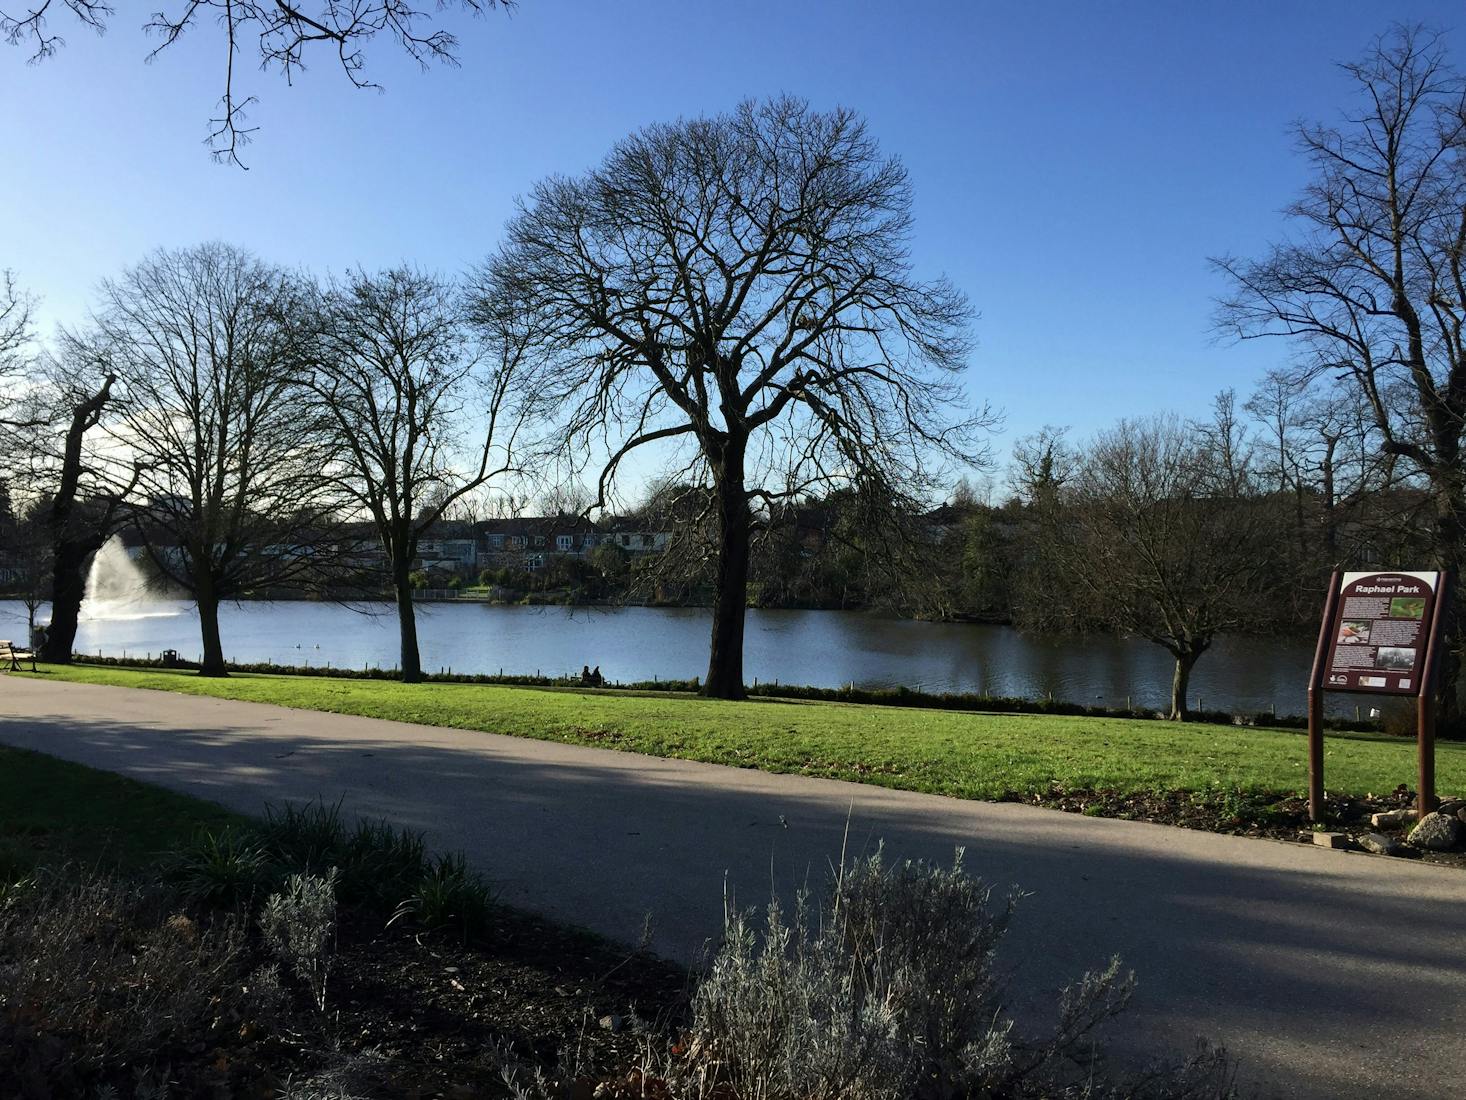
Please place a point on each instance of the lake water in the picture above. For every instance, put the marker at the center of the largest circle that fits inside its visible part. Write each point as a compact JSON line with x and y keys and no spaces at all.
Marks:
{"x":822,"y":648}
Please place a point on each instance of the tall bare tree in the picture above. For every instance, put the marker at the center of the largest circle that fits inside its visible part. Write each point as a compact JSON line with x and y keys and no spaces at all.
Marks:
{"x":50,"y":409}
{"x":17,"y":352}
{"x":418,"y":413}
{"x":1151,"y":532}
{"x":1321,"y":460}
{"x":741,"y":286}
{"x":29,"y":547}
{"x":204,"y":344}
{"x":15,"y":317}
{"x":277,"y":35}
{"x":87,"y":482}
{"x":1371,"y":286}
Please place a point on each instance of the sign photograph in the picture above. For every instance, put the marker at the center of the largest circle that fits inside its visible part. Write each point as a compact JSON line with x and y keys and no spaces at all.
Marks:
{"x":1380,"y":632}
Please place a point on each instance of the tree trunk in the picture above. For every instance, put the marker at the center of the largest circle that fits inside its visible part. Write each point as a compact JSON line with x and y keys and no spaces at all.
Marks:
{"x":208,"y":604}
{"x":730,"y":592}
{"x":1450,"y":536}
{"x":1330,"y":512}
{"x":407,"y":621}
{"x":1180,"y":679}
{"x":70,"y":549}
{"x":68,"y":587}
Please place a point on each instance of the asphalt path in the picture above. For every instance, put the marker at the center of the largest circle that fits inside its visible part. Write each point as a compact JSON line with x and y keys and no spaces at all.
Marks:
{"x":1329,"y":974}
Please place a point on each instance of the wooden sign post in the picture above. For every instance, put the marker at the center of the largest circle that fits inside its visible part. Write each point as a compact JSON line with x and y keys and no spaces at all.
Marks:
{"x":1380,"y":635}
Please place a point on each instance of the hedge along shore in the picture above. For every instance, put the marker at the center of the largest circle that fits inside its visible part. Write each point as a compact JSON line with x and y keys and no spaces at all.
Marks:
{"x":886,"y":697}
{"x":949,"y":752}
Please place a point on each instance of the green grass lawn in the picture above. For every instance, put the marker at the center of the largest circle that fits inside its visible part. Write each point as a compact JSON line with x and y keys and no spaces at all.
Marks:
{"x":965,"y":754}
{"x":53,"y":811}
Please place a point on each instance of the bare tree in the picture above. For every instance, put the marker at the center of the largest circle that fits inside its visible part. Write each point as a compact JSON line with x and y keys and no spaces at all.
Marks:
{"x":740,"y":286}
{"x":418,"y":416}
{"x":1372,"y":286}
{"x":51,"y":409}
{"x":1043,"y":463}
{"x":277,"y":34}
{"x":565,"y":497}
{"x":88,"y":483}
{"x":15,"y":318}
{"x":30,"y":549}
{"x":17,"y":353}
{"x":1152,"y":533}
{"x":204,"y":345}
{"x":1321,"y":455}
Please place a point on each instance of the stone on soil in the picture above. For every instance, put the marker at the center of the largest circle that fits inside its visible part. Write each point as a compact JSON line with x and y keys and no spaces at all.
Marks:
{"x":1331,"y":840}
{"x":1392,"y":819}
{"x":1380,"y":844}
{"x":1436,"y":833}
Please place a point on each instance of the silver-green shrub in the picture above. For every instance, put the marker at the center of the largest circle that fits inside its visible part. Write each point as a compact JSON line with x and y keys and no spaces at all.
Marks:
{"x":886,"y":989}
{"x":298,"y":925}
{"x":98,"y":974}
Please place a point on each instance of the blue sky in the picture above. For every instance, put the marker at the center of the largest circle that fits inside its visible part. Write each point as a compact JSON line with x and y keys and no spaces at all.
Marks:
{"x":1074,"y":164}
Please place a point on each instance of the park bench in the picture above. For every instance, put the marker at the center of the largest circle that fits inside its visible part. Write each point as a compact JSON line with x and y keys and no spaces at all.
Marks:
{"x":11,"y":657}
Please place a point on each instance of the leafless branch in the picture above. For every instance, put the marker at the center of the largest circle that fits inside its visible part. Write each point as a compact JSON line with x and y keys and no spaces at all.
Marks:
{"x":280,"y":34}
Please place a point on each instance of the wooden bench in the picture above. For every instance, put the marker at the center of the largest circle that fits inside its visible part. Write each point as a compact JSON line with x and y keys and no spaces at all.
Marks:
{"x":12,"y":657}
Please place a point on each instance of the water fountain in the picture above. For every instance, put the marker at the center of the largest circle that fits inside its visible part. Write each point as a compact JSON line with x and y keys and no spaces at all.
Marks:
{"x":117,"y":589}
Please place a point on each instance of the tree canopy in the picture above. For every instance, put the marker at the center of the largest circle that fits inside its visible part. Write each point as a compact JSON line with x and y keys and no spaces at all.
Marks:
{"x":742,"y":283}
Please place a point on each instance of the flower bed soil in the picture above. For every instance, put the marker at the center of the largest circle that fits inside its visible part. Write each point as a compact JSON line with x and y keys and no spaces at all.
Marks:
{"x":422,"y":1016}
{"x":1277,"y":815}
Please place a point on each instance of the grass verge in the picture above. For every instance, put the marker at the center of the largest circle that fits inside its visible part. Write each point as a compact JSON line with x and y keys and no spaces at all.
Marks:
{"x":53,"y":811}
{"x":962,"y":754}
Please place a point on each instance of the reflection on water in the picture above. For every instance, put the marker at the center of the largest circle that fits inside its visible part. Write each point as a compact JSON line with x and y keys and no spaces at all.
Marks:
{"x":823,"y":648}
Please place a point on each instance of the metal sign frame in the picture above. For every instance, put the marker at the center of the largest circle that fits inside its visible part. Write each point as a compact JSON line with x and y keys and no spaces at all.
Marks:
{"x":1425,"y":716}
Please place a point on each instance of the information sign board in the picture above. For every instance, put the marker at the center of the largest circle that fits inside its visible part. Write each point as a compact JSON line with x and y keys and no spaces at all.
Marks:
{"x":1378,"y":636}
{"x":1381,"y":633}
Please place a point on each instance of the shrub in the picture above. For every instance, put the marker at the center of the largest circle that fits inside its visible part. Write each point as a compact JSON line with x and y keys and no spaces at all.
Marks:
{"x":97,"y":974}
{"x":225,"y":867}
{"x":304,"y":838}
{"x":380,"y":865}
{"x":377,"y":864}
{"x":346,"y":1076}
{"x":886,"y":990}
{"x":448,"y":896}
{"x":298,"y":924}
{"x":17,"y":869}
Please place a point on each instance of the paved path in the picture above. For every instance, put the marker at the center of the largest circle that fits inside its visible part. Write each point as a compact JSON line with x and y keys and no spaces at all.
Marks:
{"x":1332,"y":974}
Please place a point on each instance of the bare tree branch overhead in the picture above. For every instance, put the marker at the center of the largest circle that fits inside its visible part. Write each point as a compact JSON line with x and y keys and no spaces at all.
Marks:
{"x":741,"y":286}
{"x":271,"y":33}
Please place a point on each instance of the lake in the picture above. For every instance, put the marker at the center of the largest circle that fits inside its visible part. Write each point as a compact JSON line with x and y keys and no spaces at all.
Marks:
{"x":821,"y":648}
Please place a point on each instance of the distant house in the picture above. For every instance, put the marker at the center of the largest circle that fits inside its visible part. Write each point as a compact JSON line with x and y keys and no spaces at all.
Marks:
{"x":451,"y":554}
{"x":530,"y":543}
{"x":635,"y":538}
